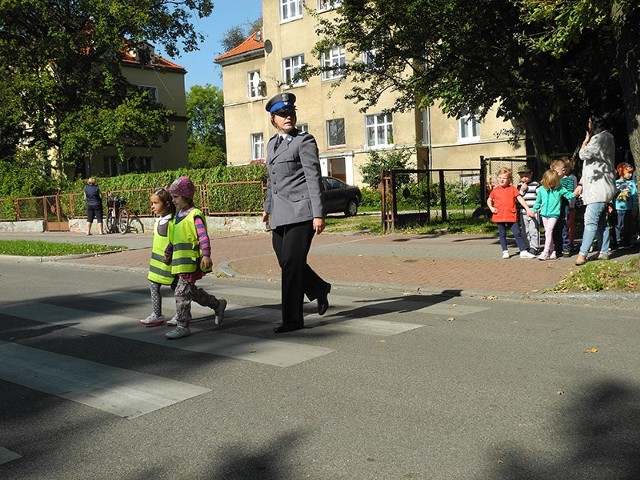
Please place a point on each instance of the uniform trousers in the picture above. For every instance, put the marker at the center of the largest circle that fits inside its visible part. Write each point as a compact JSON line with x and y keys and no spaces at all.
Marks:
{"x":291,"y":244}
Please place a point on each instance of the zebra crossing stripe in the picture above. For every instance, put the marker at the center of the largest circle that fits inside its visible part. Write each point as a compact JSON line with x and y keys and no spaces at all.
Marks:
{"x":7,"y":456}
{"x":124,"y":393}
{"x":254,"y":349}
{"x":378,"y":328}
{"x":334,"y":321}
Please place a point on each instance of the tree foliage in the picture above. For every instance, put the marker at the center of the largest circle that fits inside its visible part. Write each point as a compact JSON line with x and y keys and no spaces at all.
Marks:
{"x":616,"y":24}
{"x":237,"y":34}
{"x":383,"y":161}
{"x":61,"y":66}
{"x":470,"y":55}
{"x":205,"y":116}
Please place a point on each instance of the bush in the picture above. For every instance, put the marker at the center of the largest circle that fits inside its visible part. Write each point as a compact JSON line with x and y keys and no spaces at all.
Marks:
{"x":370,"y":197}
{"x":381,"y":161}
{"x":22,"y":181}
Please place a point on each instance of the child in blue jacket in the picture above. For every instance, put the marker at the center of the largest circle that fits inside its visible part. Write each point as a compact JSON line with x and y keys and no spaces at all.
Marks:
{"x":626,"y":204}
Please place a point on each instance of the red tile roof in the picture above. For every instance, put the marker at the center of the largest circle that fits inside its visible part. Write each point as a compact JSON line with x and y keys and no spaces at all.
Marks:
{"x":156,"y":62}
{"x":251,"y":44}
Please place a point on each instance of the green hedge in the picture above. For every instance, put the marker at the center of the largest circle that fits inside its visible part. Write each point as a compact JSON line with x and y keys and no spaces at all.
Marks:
{"x":136,"y":188}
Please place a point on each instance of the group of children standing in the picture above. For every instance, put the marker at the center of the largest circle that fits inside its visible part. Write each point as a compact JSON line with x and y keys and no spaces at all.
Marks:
{"x":552,"y":202}
{"x":180,"y":256}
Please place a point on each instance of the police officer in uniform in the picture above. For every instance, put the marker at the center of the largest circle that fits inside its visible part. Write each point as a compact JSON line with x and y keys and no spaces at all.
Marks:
{"x":294,"y":210}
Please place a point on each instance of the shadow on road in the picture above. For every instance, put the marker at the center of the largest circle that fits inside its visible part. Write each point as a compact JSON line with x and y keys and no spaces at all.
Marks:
{"x":601,"y":435}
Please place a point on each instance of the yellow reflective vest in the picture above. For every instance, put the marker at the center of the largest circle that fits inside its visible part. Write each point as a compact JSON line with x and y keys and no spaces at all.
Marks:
{"x":186,"y":247}
{"x":159,"y":272}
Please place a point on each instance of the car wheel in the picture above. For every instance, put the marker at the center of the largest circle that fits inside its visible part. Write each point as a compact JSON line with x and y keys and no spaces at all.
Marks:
{"x":352,"y":208}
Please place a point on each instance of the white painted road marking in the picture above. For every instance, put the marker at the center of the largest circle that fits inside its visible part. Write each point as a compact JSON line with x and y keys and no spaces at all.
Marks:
{"x":124,"y":393}
{"x":259,"y":350}
{"x":7,"y":455}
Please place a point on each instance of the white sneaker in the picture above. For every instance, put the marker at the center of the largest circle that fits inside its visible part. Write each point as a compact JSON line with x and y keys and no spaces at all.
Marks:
{"x":173,"y":322}
{"x":178,"y":332}
{"x":153,"y":320}
{"x":505,"y":254}
{"x":222,"y":305}
{"x":525,"y":254}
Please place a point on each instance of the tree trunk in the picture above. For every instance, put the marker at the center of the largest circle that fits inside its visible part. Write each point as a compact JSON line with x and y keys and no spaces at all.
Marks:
{"x":626,"y":21}
{"x":537,"y":136}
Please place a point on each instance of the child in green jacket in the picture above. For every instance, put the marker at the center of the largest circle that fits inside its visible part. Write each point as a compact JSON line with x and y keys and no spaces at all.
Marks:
{"x":548,"y":203}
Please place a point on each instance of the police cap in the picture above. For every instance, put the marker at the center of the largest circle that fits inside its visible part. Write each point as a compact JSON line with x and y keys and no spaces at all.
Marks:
{"x":282,"y":101}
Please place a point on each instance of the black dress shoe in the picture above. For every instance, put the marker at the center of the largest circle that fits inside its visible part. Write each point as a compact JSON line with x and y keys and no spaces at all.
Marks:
{"x":323,"y":302}
{"x":289,"y":327}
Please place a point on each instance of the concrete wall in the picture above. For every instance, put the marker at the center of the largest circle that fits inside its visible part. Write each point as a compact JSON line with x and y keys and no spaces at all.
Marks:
{"x":214,"y":224}
{"x":24,"y":226}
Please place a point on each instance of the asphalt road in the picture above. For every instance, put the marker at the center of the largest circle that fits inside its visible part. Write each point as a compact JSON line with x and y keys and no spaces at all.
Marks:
{"x":387,"y":385}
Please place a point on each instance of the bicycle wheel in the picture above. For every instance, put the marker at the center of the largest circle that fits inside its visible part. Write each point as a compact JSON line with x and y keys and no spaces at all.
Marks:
{"x":123,"y":221}
{"x":135,"y":225}
{"x":110,"y":222}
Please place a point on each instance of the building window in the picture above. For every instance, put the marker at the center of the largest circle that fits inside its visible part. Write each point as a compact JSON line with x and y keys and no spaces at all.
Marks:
{"x":469,"y":128}
{"x":334,"y":59}
{"x":379,"y":130}
{"x":152,"y":91}
{"x":136,"y":164}
{"x":290,"y":10}
{"x":369,"y":57}
{"x":291,"y":66}
{"x":303,"y":127}
{"x":324,"y":5}
{"x":335,"y":132}
{"x":255,"y":86}
{"x":257,"y":146}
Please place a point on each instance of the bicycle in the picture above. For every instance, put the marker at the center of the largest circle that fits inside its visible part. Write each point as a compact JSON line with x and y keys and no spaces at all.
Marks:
{"x":119,"y":219}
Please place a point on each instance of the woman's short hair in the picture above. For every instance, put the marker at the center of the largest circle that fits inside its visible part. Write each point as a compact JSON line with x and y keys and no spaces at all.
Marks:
{"x":91,"y":181}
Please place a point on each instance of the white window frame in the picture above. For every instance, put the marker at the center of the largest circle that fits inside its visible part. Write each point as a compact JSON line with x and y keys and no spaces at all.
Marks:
{"x":329,"y":124}
{"x":469,"y":128}
{"x":290,"y":10}
{"x":378,"y":130}
{"x":257,"y":146}
{"x":291,"y":66}
{"x":334,"y":57}
{"x":254,"y":89}
{"x":303,"y":127}
{"x":326,"y":5}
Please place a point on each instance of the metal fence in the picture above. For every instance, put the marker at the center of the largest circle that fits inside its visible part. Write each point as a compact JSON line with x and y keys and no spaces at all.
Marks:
{"x":215,"y":199}
{"x":418,"y":196}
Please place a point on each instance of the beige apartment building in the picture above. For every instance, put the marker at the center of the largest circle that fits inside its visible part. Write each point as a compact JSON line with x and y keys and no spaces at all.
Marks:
{"x":266,"y":63}
{"x":164,"y":80}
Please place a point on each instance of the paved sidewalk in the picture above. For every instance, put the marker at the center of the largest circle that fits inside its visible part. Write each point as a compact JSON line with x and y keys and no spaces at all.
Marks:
{"x":462,"y":264}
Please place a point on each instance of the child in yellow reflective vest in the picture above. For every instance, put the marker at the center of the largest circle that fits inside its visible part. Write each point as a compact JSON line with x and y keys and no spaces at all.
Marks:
{"x":159,"y":273}
{"x":189,"y":254}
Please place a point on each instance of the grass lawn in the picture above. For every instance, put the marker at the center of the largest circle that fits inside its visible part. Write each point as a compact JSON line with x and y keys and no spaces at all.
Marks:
{"x":613,"y":275}
{"x":49,"y":249}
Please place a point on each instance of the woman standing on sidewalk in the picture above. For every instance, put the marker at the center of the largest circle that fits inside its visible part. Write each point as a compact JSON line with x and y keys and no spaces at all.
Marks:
{"x":294,"y":210}
{"x":94,"y":205}
{"x":597,"y":186}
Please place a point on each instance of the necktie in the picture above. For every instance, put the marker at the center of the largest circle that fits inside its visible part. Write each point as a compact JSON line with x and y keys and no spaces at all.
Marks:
{"x":278,"y":142}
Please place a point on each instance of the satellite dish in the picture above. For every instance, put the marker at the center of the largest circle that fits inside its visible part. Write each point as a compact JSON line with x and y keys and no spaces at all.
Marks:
{"x":268,"y":46}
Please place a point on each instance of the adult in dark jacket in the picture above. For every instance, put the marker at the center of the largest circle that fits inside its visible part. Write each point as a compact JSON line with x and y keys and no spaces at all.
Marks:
{"x":94,"y":205}
{"x":294,"y":210}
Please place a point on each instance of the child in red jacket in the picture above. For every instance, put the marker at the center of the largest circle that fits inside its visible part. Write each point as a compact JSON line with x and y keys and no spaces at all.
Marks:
{"x":502,"y":203}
